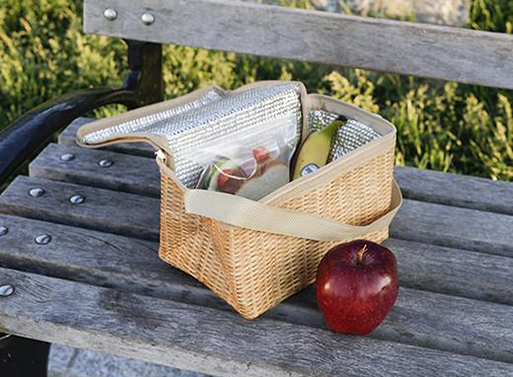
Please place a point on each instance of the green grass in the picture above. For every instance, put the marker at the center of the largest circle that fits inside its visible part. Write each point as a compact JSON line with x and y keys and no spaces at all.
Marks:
{"x":442,"y":126}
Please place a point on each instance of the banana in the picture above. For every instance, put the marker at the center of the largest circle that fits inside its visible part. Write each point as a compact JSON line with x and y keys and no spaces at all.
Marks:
{"x":315,"y":150}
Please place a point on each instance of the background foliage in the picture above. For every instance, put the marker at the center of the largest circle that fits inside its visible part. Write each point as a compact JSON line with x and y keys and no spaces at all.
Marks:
{"x":442,"y":126}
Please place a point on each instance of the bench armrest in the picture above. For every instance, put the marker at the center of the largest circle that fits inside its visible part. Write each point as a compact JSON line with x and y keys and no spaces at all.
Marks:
{"x":28,"y":133}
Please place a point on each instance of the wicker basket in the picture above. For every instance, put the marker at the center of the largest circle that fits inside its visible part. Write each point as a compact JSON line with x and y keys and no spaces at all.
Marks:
{"x":257,"y":254}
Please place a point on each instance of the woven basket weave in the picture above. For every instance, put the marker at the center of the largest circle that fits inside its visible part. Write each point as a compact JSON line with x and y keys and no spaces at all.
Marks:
{"x":254,"y":270}
{"x":254,"y":263}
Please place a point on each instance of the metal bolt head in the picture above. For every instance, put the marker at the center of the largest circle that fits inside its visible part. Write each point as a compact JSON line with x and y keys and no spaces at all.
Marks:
{"x":36,"y":192}
{"x":77,"y":199}
{"x":3,"y":231}
{"x":43,"y":239}
{"x":110,"y":14}
{"x":148,"y":19}
{"x":6,"y":290}
{"x":106,"y":163}
{"x":67,"y":157}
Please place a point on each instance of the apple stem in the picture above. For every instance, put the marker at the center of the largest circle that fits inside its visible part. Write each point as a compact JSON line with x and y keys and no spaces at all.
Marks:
{"x":360,"y":253}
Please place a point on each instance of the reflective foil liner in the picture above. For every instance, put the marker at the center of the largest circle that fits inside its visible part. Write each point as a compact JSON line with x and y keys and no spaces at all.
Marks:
{"x":211,"y":117}
{"x":218,"y":114}
{"x":351,"y":136}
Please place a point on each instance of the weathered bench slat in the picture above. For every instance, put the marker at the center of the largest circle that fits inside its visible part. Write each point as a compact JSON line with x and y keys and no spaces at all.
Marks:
{"x":210,"y":341}
{"x":419,"y":184}
{"x":132,"y":174}
{"x":108,"y":211}
{"x":448,"y":53}
{"x":425,"y":267}
{"x":133,"y":266}
{"x":442,"y":225}
{"x":453,"y":271}
{"x":456,"y":190}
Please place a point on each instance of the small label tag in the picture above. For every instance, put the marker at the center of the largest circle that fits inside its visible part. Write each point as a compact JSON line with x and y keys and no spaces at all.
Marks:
{"x":310,"y":168}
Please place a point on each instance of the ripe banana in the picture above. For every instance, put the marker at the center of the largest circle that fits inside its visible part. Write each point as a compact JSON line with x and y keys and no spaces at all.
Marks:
{"x":315,"y":150}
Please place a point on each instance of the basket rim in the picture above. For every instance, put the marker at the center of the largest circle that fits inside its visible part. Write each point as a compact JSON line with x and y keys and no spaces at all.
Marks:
{"x":325,"y":174}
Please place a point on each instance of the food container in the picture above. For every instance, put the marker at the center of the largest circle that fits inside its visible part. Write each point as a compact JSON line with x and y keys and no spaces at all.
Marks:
{"x":255,"y":254}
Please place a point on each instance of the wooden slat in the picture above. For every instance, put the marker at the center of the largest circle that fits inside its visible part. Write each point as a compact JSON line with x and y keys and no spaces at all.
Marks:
{"x":207,"y":340}
{"x":439,"y":52}
{"x":418,"y":221}
{"x":88,"y":256}
{"x":454,"y":271}
{"x":456,"y":190}
{"x":419,"y":184}
{"x":68,"y":137}
{"x":128,"y":173}
{"x":97,"y":258}
{"x":106,"y":210}
{"x":442,"y":225}
{"x":426,"y":267}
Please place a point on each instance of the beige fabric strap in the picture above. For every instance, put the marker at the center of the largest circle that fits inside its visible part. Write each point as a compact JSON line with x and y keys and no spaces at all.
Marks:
{"x":244,"y":213}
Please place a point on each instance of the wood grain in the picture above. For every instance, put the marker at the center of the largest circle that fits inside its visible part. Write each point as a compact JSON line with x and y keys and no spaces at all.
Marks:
{"x":455,"y":189}
{"x":132,"y":174}
{"x":106,"y":210}
{"x":448,"y":53}
{"x":137,"y":269}
{"x":207,"y":340}
{"x":454,"y":271}
{"x":463,"y":228}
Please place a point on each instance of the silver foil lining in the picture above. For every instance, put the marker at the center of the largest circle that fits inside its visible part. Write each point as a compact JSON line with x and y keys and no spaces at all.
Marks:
{"x":212,"y":117}
{"x":351,"y":136}
{"x":159,"y":123}
{"x":216,"y":115}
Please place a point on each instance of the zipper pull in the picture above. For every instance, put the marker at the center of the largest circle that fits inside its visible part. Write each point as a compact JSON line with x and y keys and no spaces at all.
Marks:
{"x":159,"y":153}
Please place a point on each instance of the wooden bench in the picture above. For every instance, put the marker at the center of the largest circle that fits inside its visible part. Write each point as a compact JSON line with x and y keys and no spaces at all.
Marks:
{"x":85,"y":271}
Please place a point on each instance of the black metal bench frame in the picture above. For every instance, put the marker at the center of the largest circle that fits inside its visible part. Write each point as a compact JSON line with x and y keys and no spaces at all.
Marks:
{"x":29,"y":133}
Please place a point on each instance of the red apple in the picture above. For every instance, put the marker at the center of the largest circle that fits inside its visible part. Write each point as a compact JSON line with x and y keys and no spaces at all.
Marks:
{"x":356,"y":286}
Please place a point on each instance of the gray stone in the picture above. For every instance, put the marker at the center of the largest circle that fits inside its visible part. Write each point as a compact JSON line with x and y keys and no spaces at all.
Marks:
{"x":68,"y":362}
{"x":443,"y":12}
{"x":59,"y":360}
{"x":449,"y":12}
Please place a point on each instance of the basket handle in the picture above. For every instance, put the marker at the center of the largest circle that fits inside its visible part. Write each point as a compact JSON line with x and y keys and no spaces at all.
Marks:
{"x":245,"y":213}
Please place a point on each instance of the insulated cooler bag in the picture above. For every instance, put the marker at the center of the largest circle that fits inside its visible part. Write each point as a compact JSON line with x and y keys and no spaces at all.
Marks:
{"x":255,"y":254}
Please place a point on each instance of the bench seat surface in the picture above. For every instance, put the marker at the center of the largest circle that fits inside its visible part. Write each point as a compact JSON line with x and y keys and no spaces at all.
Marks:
{"x":99,"y":283}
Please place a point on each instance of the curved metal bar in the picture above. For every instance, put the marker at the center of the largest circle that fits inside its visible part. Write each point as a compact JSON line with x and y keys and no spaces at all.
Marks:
{"x":143,"y":86}
{"x":23,"y":137}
